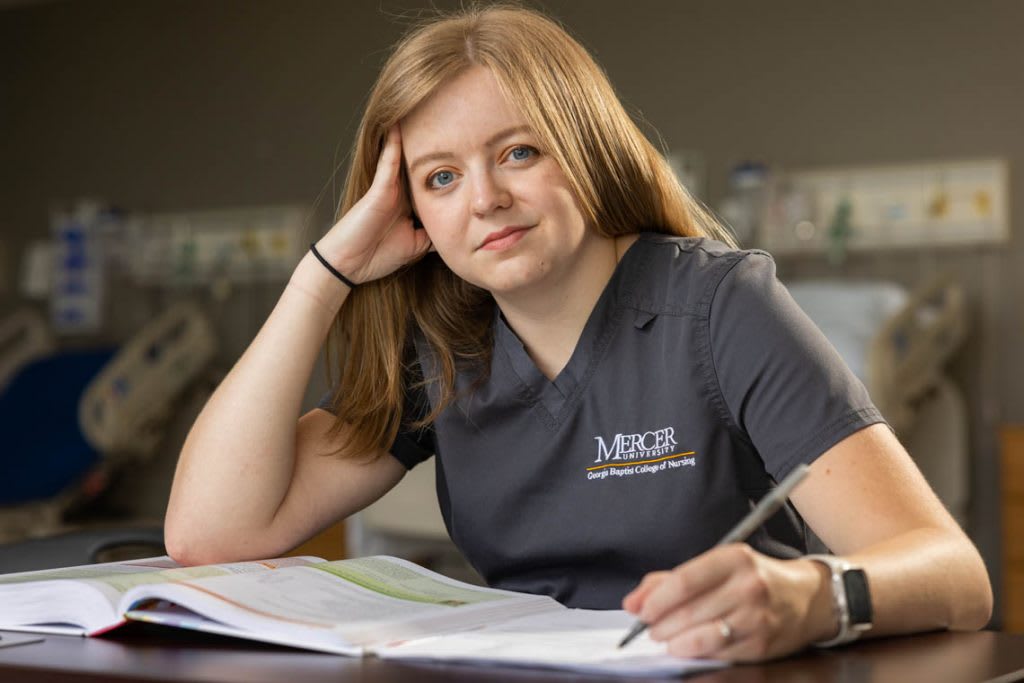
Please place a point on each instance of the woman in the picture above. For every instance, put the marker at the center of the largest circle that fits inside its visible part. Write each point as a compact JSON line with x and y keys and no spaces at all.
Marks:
{"x":606,"y":388}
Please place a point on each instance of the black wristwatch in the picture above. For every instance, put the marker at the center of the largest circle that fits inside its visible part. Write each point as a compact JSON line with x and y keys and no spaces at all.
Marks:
{"x":851,"y":597}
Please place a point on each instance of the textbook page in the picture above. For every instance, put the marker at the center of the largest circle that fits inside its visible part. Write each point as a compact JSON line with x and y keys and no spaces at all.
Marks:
{"x":65,"y":606}
{"x":573,"y":639}
{"x":347,"y":606}
{"x":83,"y":600}
{"x":87,"y":571}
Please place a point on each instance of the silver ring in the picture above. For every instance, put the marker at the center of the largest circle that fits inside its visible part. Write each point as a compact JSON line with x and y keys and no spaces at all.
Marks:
{"x":724,"y":629}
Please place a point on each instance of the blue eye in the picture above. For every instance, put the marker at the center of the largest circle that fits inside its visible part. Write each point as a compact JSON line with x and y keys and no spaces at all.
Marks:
{"x":441,"y":179}
{"x":522,"y":153}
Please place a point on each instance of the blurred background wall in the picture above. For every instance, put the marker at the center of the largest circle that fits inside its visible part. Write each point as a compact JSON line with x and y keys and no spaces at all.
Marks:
{"x":187,"y":105}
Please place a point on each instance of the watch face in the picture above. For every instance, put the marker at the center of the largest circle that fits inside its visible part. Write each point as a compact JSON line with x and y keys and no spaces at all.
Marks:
{"x":858,"y":598}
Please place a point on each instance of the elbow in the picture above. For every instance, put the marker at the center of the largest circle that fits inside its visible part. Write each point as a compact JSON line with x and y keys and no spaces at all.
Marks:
{"x":189,"y":553}
{"x":977,"y":602}
{"x":181,"y":556}
{"x":187,"y":547}
{"x":979,"y":613}
{"x":187,"y":539}
{"x":190,"y":542}
{"x":180,"y":547}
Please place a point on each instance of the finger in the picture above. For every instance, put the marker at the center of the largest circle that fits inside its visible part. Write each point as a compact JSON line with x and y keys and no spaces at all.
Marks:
{"x":648,"y":582}
{"x":706,"y":607}
{"x":743,"y":635}
{"x":634,"y":600}
{"x":691,"y":615}
{"x":405,"y":242}
{"x":707,"y":639}
{"x":390,"y":159}
{"x":690,"y":580}
{"x":754,"y":647}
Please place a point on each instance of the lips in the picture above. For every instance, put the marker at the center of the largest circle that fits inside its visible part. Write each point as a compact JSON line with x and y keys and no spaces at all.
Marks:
{"x":503,"y":233}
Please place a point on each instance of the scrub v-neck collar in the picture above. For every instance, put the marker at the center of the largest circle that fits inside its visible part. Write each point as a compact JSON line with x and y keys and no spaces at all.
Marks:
{"x":556,"y":398}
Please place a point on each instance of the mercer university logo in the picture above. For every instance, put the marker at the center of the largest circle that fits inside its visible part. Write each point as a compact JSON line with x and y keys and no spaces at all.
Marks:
{"x":640,"y":453}
{"x":633,"y":446}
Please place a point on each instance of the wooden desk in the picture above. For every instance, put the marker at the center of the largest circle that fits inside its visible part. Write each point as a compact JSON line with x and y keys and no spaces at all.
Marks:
{"x":152,"y":654}
{"x":1012,"y":480}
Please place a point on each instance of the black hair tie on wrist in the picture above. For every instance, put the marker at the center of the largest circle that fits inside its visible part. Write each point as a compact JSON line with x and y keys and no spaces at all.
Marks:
{"x":328,"y":266}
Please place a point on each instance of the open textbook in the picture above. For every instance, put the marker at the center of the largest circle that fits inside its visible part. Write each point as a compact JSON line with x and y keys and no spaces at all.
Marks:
{"x":380,"y":606}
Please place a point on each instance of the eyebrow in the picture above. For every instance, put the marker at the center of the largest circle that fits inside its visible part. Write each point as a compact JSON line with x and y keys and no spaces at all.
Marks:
{"x":493,"y":140}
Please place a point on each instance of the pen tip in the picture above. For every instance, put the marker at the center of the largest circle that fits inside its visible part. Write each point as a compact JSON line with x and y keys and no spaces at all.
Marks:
{"x":633,"y":633}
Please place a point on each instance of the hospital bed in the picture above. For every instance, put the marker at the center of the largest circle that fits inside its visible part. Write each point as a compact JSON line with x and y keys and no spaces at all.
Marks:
{"x":71,"y":419}
{"x":898,"y":342}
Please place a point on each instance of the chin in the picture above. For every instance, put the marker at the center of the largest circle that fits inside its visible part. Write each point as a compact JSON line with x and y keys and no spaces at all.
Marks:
{"x":512,"y":282}
{"x":518,"y":273}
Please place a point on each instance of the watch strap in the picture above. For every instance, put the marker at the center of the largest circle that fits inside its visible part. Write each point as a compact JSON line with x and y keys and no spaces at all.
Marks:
{"x":851,"y":599}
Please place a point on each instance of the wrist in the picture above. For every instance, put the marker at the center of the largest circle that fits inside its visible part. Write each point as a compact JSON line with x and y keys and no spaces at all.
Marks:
{"x":318,"y":284}
{"x":330,"y":268}
{"x":822,"y":621}
{"x":851,"y":599}
{"x":338,"y":259}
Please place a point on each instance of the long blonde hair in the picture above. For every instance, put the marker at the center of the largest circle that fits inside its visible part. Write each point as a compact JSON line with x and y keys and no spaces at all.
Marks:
{"x":622,"y":183}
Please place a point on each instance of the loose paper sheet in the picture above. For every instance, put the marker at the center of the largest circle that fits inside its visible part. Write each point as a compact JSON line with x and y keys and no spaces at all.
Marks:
{"x":581,"y":640}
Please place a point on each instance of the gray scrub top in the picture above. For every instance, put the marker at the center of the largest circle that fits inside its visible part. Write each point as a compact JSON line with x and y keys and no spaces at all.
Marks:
{"x":697,"y":383}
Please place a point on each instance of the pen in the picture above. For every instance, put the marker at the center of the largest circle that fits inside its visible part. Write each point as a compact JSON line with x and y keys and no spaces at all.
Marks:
{"x":764,"y":509}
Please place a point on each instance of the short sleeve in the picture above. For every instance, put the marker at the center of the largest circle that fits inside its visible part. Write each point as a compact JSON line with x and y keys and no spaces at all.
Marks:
{"x":782,"y":383}
{"x":411,"y":446}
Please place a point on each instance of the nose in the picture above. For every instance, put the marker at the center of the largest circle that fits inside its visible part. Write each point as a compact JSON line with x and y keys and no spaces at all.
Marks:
{"x":489,"y":193}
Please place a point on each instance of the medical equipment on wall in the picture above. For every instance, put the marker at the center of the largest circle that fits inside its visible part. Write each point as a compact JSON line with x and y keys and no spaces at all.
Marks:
{"x":93,"y":245}
{"x":215,"y":247}
{"x":745,"y":202}
{"x":78,"y":279}
{"x":898,"y":343}
{"x":690,"y":169}
{"x":934,"y":204}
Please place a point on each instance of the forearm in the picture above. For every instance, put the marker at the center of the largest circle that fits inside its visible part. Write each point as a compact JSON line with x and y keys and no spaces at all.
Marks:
{"x":236,"y":464}
{"x":925,"y":579}
{"x":239,"y":461}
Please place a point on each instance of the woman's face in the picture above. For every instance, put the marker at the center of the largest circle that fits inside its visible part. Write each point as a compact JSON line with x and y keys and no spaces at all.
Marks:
{"x":498,"y":209}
